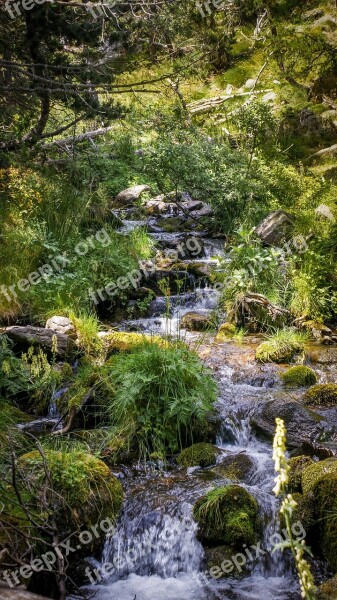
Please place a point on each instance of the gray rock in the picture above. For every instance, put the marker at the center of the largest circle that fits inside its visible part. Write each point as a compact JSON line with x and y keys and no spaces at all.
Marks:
{"x":24,"y":337}
{"x":61,"y":325}
{"x":302,"y":424}
{"x":274,"y":228}
{"x":194,"y":321}
{"x":130,"y":195}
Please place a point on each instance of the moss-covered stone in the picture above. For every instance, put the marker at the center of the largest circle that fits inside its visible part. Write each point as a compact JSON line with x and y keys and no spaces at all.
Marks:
{"x":278,"y":352}
{"x":324,"y":394}
{"x":83,"y":490}
{"x":297,"y":466}
{"x":299,"y":376}
{"x":226,"y":332}
{"x":314,"y":472}
{"x":227,"y":515}
{"x":119,"y":341}
{"x":325,"y":506}
{"x":220,"y":563}
{"x":201,"y":454}
{"x":237,"y":467}
{"x":328,"y":590}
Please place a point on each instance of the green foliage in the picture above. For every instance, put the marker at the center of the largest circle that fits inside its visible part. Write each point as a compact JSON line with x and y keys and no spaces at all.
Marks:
{"x":282,"y":346}
{"x":299,"y":376}
{"x":165,"y":391}
{"x":324,"y":394}
{"x":201,"y":454}
{"x":227,"y":515}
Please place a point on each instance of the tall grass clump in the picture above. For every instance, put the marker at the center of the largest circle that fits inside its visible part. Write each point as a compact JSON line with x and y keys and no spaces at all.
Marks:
{"x":282,"y":346}
{"x":167,"y":392}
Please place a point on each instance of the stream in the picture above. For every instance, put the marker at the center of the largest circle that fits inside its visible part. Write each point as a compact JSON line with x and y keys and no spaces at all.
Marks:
{"x":154,"y":550}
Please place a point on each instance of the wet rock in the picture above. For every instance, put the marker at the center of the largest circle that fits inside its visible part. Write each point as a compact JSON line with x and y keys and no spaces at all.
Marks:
{"x":302,"y":425}
{"x":237,"y":467}
{"x":205,"y":211}
{"x":299,"y":376}
{"x":220,"y":563}
{"x":274,"y":228}
{"x":193,"y":321}
{"x":130,"y":195}
{"x":26,"y":336}
{"x":62,"y":325}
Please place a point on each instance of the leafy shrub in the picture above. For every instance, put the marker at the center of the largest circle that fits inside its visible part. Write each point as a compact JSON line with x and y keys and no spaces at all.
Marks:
{"x":299,"y":376}
{"x":165,"y":391}
{"x":281,"y":347}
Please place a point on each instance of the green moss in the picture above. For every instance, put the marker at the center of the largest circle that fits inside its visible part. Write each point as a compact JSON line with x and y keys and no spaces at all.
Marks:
{"x":314,"y":472}
{"x":83,"y":489}
{"x":236,"y":467}
{"x":201,"y":454}
{"x":325,"y":502}
{"x":297,"y":466}
{"x":328,"y":590}
{"x":196,"y":322}
{"x":281,"y":347}
{"x":324,"y":394}
{"x":119,"y":341}
{"x":227,"y":515}
{"x":226,"y":332}
{"x":299,"y":376}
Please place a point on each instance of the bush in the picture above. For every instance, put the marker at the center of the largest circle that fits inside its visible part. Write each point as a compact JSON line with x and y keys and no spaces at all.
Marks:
{"x":201,"y":454}
{"x":165,"y":391}
{"x":324,"y":394}
{"x":299,"y":376}
{"x":281,"y":347}
{"x":227,"y":515}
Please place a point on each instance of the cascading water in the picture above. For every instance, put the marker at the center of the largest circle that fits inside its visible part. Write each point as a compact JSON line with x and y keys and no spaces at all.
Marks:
{"x":154,"y":550}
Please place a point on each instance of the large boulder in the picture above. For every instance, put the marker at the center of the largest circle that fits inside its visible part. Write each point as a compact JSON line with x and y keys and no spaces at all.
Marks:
{"x":274,"y":228}
{"x":130,"y":195}
{"x":61,"y":325}
{"x":26,"y":336}
{"x":302,"y":424}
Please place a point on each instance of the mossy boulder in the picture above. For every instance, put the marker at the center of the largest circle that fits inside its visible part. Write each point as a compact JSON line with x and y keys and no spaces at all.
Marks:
{"x":299,"y":376}
{"x":278,"y":352}
{"x":226,"y":332}
{"x":237,"y":467}
{"x":227,"y":515}
{"x":193,"y":321}
{"x":314,"y":472}
{"x":120,"y":341}
{"x":325,"y":510}
{"x":82,"y":489}
{"x":297,"y":465}
{"x":324,"y":394}
{"x":201,"y":454}
{"x":328,"y":590}
{"x":219,"y":560}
